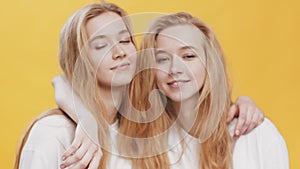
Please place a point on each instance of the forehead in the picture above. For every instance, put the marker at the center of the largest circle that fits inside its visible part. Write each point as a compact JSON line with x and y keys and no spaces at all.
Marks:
{"x":179,"y":36}
{"x":108,"y":23}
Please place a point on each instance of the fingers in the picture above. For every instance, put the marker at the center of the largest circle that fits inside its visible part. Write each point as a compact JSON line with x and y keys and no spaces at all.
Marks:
{"x":85,"y":160}
{"x":241,"y":120}
{"x":94,"y":164}
{"x":253,"y":124}
{"x":233,"y":111}
{"x":248,"y":120}
{"x":250,"y":116}
{"x":73,"y":148}
{"x":261,"y":116}
{"x":257,"y":119}
{"x":75,"y":158}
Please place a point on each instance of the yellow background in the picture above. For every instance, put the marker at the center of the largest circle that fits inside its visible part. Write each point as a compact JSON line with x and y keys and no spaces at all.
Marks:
{"x":261,"y":39}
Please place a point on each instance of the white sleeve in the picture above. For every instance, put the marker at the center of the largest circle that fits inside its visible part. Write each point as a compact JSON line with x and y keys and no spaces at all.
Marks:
{"x":46,"y":155}
{"x":47,"y":141}
{"x":262,"y":148}
{"x":275,"y":153}
{"x":33,"y":159}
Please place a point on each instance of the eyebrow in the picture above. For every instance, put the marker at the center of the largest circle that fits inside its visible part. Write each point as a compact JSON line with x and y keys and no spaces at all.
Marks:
{"x":159,"y":51}
{"x":188,"y":47}
{"x":124,"y":31}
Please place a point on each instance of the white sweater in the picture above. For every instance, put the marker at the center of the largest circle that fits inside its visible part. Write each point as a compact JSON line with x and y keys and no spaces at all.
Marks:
{"x":263,"y":148}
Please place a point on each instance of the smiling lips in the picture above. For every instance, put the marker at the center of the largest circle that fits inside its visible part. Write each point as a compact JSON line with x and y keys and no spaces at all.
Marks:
{"x":177,"y":83}
{"x":120,"y":66}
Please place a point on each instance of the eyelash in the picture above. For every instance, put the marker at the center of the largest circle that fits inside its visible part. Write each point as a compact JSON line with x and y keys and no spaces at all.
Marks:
{"x":125,"y":41}
{"x":100,"y":47}
{"x":103,"y":46}
{"x":189,"y":56}
{"x":162,"y":59}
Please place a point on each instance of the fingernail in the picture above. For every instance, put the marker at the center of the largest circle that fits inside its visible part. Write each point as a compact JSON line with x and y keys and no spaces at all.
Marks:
{"x":62,"y":166}
{"x":237,"y":132}
{"x":63,"y":157}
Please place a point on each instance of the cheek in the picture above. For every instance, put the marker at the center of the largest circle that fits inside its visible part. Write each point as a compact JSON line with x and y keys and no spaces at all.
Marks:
{"x":130,"y":50}
{"x":200,"y":78}
{"x":98,"y":59}
{"x":101,"y":65}
{"x":198,"y":72}
{"x":160,"y":78}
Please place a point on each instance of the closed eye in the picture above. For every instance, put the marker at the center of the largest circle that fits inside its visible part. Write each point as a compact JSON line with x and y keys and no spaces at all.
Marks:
{"x":188,"y":56}
{"x":125,"y":41}
{"x":100,"y":46}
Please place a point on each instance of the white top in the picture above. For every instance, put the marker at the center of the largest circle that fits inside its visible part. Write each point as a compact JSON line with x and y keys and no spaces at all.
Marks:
{"x":47,"y":141}
{"x":263,"y":148}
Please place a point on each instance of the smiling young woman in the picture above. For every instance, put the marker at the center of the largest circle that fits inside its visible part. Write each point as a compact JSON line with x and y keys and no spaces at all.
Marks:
{"x":98,"y":57}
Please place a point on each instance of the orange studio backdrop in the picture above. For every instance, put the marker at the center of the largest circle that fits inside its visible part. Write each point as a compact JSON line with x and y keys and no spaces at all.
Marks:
{"x":260,"y":38}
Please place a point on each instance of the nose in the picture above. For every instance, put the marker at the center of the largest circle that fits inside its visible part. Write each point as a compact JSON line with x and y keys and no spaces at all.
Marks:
{"x":118,"y":52}
{"x":176,"y":66}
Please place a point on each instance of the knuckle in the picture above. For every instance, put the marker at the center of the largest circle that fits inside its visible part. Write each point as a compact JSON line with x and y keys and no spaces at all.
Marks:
{"x":260,"y":112}
{"x":80,"y":166}
{"x":242,"y":118}
{"x":257,"y":110}
{"x":98,"y":154}
{"x":243,"y":114}
{"x":261,"y":119}
{"x":247,"y":123}
{"x":244,"y":130}
{"x":94,"y":149}
{"x":73,"y":147}
{"x":77,"y":157}
{"x":254,"y":121}
{"x":251,"y":109}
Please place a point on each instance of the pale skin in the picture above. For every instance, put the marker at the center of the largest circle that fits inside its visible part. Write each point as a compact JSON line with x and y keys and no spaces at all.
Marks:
{"x":114,"y":55}
{"x":84,"y":151}
{"x":249,"y":116}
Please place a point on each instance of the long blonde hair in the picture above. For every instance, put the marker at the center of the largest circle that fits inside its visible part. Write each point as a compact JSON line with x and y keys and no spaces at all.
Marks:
{"x":77,"y":66}
{"x":215,"y":96}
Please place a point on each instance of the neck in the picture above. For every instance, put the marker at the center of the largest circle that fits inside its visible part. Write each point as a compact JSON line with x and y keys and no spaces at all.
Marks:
{"x":186,"y":111}
{"x":111,"y":98}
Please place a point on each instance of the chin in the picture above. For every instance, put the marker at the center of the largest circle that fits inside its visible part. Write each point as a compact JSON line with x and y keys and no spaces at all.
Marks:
{"x":121,"y":79}
{"x":175,"y":98}
{"x":121,"y":82}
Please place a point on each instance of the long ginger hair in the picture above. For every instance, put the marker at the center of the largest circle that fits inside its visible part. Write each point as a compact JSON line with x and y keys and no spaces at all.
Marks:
{"x":214,"y":96}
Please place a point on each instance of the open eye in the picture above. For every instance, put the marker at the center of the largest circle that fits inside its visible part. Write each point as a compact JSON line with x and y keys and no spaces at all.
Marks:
{"x":162,"y":59}
{"x":162,"y":56}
